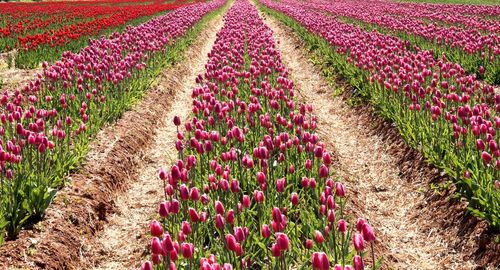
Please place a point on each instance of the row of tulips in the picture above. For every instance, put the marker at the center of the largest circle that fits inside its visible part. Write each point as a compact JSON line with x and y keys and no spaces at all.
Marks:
{"x":436,"y":106}
{"x":253,"y":185}
{"x":468,"y":17}
{"x":45,"y":126}
{"x":66,"y":26}
{"x":476,"y":52}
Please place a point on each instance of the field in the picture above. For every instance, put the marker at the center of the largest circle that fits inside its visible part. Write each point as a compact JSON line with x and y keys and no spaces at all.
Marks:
{"x":249,"y":134}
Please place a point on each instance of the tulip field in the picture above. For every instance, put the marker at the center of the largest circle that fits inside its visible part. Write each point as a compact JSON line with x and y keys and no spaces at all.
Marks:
{"x":42,"y":32}
{"x":255,"y":178}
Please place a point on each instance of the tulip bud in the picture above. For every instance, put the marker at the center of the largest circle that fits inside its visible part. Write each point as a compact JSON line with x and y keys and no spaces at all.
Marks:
{"x":486,"y":157}
{"x":174,"y":206}
{"x":194,"y":194}
{"x":193,"y":215}
{"x":294,"y":198}
{"x":245,"y":201}
{"x":167,"y":243}
{"x":231,"y":242}
{"x":368,"y":232}
{"x":219,"y":221}
{"x":309,"y":243}
{"x":319,"y":261}
{"x":280,"y":185}
{"x":177,"y":120}
{"x":186,"y":228}
{"x":147,"y":266}
{"x":164,"y":208}
{"x":342,"y":226}
{"x":359,"y":224}
{"x":265,"y":231}
{"x":323,"y":171}
{"x":156,"y":247}
{"x":219,"y":208}
{"x":261,"y":178}
{"x":319,"y":237}
{"x":282,"y":241}
{"x":339,"y":190}
{"x":480,"y":145}
{"x":276,"y":251}
{"x":358,"y":263}
{"x":358,"y":242}
{"x":187,"y":250}
{"x":156,"y":228}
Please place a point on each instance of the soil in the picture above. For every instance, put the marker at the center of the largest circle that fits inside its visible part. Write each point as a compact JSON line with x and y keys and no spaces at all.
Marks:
{"x":388,"y":182}
{"x":90,"y":220}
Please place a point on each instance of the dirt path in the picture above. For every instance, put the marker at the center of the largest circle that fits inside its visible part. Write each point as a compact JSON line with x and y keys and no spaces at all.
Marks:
{"x":122,"y":243}
{"x":368,"y":169}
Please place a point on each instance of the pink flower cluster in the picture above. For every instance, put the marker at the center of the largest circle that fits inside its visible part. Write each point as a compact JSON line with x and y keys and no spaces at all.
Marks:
{"x":254,"y":184}
{"x":410,"y":20}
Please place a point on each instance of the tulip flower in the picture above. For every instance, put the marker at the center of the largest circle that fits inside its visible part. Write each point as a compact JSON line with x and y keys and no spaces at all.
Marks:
{"x":319,"y":237}
{"x":156,"y":245}
{"x":282,"y":241}
{"x":358,"y":263}
{"x":294,"y":198}
{"x":358,"y":242}
{"x":265,"y":231}
{"x":156,"y":228}
{"x":320,"y":261}
{"x":187,"y":250}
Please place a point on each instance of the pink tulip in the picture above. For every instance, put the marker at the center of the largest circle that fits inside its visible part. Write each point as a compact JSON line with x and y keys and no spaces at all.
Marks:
{"x":368,"y":232}
{"x":187,"y":250}
{"x":282,"y":241}
{"x":358,"y":242}
{"x":156,"y":228}
{"x":294,"y":198}
{"x":265,"y":231}
{"x":319,"y":261}
{"x":319,"y":237}
{"x":156,"y":247}
{"x":358,"y":263}
{"x":276,"y":251}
